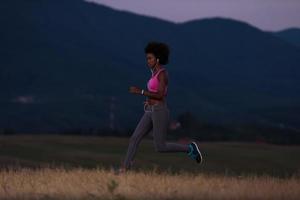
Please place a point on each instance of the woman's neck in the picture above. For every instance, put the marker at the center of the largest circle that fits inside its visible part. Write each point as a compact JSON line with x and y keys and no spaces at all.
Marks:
{"x":156,"y":68}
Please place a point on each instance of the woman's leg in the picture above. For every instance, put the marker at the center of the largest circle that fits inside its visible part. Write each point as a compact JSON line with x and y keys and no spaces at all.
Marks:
{"x":160,"y":120}
{"x":143,"y":127}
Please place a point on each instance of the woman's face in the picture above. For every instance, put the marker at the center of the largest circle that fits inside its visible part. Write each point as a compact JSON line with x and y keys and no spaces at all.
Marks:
{"x":151,"y":60}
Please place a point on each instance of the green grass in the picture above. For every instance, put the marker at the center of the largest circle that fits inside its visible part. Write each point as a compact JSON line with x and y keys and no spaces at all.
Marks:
{"x":226,"y":158}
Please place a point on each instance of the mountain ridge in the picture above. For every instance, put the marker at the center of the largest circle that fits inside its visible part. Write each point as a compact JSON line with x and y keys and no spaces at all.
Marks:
{"x":70,"y":65}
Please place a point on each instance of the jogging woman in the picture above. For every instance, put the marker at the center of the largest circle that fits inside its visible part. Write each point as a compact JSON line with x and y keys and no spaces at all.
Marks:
{"x":156,"y":111}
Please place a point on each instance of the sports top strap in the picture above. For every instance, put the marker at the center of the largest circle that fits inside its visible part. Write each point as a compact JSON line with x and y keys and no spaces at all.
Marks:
{"x":159,"y":71}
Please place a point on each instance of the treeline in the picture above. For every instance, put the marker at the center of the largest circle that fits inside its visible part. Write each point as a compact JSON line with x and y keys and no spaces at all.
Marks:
{"x":193,"y":128}
{"x":73,"y":131}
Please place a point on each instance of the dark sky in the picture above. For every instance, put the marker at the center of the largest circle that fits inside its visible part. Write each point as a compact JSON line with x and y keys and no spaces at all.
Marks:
{"x":264,"y":14}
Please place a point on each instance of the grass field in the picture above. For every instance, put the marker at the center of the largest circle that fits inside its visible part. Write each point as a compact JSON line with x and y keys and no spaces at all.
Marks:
{"x":79,"y":183}
{"x":77,"y":167}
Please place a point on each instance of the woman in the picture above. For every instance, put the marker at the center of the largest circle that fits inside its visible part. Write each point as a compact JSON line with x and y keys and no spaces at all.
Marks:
{"x":156,"y":115}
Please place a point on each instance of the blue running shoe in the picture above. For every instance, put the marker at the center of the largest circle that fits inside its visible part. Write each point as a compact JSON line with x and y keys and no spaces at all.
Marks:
{"x":194,"y":152}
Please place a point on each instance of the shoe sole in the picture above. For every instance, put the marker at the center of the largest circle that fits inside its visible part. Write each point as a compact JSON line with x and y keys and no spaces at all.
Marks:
{"x":199,"y":153}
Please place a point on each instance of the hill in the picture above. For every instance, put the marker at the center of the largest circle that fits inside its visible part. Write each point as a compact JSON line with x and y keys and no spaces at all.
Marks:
{"x":63,"y":61}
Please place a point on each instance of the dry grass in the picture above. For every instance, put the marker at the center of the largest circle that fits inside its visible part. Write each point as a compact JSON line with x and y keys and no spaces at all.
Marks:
{"x":79,"y":183}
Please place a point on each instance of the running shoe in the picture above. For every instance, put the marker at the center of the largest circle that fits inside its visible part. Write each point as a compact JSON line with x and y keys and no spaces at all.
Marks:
{"x":194,"y":152}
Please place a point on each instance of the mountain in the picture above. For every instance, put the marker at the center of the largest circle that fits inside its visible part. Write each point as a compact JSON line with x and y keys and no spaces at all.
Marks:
{"x":291,"y":35}
{"x":68,"y":64}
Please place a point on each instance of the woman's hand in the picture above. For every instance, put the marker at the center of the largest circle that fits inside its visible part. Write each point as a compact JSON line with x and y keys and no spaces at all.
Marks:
{"x":135,"y":90}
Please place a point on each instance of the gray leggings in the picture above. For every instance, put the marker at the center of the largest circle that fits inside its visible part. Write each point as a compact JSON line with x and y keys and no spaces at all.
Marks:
{"x":155,"y":119}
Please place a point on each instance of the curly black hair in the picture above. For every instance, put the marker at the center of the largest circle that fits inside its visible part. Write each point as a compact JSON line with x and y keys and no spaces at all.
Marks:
{"x":160,"y":51}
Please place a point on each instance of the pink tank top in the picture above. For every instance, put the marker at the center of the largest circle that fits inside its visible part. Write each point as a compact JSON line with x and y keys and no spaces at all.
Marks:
{"x":153,"y":83}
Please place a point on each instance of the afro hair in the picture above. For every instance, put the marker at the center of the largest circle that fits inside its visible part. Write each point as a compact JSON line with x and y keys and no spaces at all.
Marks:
{"x":160,"y":51}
